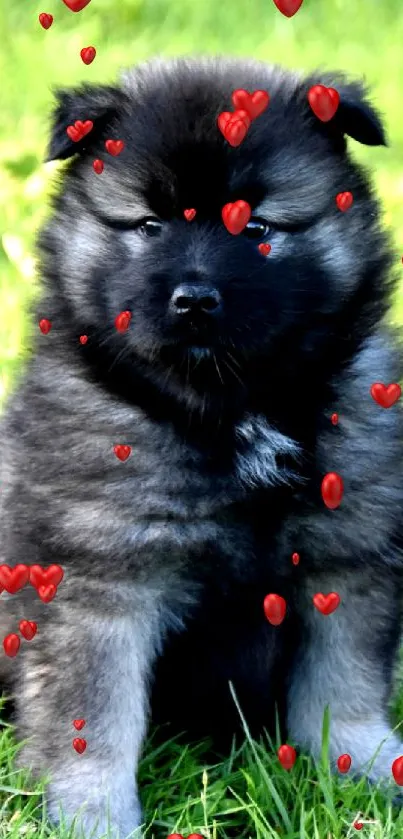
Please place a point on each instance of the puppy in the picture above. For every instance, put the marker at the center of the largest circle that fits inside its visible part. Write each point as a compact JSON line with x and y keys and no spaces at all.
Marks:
{"x":222,"y":381}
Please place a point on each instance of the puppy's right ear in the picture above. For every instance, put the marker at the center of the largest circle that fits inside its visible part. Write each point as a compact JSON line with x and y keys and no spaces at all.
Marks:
{"x":100,"y":104}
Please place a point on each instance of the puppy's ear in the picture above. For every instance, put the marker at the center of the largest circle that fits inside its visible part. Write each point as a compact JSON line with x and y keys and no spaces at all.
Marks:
{"x":100,"y":104}
{"x":355,"y":116}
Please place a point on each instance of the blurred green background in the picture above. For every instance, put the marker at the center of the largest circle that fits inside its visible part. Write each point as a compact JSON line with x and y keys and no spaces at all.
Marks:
{"x":362,"y":37}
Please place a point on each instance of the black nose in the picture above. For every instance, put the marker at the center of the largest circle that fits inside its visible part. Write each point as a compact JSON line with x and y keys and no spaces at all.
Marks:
{"x":190,"y":298}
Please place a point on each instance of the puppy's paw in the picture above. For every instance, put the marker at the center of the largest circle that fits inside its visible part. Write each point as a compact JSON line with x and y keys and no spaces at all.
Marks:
{"x":264,"y":456}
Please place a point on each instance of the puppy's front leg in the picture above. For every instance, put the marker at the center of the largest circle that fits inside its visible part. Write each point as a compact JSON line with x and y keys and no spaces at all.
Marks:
{"x":93,"y":662}
{"x":345,"y":661}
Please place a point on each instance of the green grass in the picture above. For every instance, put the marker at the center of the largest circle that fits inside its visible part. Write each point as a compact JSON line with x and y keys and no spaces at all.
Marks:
{"x":249,"y":794}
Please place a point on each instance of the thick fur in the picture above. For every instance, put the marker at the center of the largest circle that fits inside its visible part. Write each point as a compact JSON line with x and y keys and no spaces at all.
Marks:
{"x":169,"y":555}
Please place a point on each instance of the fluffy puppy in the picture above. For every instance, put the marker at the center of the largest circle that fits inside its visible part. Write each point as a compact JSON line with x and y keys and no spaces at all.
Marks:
{"x":223,"y":386}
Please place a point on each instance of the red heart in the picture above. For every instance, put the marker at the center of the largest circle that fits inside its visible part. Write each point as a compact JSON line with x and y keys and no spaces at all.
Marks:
{"x":334,"y":419}
{"x":76,"y":5}
{"x":47,"y":593}
{"x":397,"y":770}
{"x":73,"y":133}
{"x":189,"y":214}
{"x":326,"y":603}
{"x":324,"y":101}
{"x":28,"y":629}
{"x":45,"y":20}
{"x":84,"y":127}
{"x":78,"y":724}
{"x":287,"y":756}
{"x":14,"y":579}
{"x":295,"y":559}
{"x":234,"y":126}
{"x":288,"y":7}
{"x":122,"y":452}
{"x":253,"y":103}
{"x":83,"y":339}
{"x":332,"y":490}
{"x":224,"y":118}
{"x":45,"y":326}
{"x":236,"y":216}
{"x":122,"y":321}
{"x":114,"y":147}
{"x":88,"y":54}
{"x":39,"y":576}
{"x":344,"y":201}
{"x":358,"y":825}
{"x":275,"y":608}
{"x":344,"y":763}
{"x":11,"y":644}
{"x":98,"y":166}
{"x":79,"y":744}
{"x":385,"y":395}
{"x":264,"y":248}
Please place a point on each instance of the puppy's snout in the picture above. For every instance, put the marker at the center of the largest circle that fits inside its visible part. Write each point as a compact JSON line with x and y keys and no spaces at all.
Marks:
{"x":191,"y":299}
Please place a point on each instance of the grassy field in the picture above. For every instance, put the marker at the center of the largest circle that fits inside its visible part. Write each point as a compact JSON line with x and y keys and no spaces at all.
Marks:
{"x":248,"y":795}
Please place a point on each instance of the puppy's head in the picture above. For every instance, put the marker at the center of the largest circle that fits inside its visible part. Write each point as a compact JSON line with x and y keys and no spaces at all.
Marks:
{"x":197,"y":294}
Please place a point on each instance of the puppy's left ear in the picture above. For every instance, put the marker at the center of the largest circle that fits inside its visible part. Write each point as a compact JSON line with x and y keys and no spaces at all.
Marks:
{"x":355,"y":117}
{"x":100,"y":104}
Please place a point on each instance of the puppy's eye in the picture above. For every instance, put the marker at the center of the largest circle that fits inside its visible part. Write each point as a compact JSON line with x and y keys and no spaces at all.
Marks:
{"x":150,"y":227}
{"x":256,"y":228}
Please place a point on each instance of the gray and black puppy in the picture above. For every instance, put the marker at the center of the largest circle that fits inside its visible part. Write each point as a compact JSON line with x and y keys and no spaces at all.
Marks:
{"x":223,"y":385}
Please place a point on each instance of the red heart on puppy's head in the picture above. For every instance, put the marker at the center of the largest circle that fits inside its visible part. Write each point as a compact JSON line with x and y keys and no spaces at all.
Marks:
{"x":14,"y":579}
{"x":385,"y":395}
{"x":324,"y":101}
{"x":236,"y":216}
{"x":114,"y":147}
{"x":326,"y":603}
{"x":189,"y":214}
{"x":234,"y":126}
{"x":39,"y":576}
{"x":253,"y":103}
{"x":275,"y":608}
{"x":28,"y":629}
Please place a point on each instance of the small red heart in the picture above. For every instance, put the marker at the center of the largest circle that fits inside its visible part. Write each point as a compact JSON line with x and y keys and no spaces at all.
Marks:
{"x":14,"y":579}
{"x":225,"y":117}
{"x":295,"y":559}
{"x":79,"y":744}
{"x":39,"y":576}
{"x":76,"y":5}
{"x":326,"y":603}
{"x":11,"y":644}
{"x":334,"y":419}
{"x":114,"y":147}
{"x":332,"y":489}
{"x":98,"y":166}
{"x":122,"y":452}
{"x":344,"y":201}
{"x":264,"y":248}
{"x":275,"y":608}
{"x":385,"y":395}
{"x":45,"y":20}
{"x":28,"y":629}
{"x":236,"y":216}
{"x":83,"y":339}
{"x":358,"y":825}
{"x":324,"y":101}
{"x":88,"y":54}
{"x":45,"y":326}
{"x":344,"y":763}
{"x":253,"y":103}
{"x":287,"y":756}
{"x":78,"y":724}
{"x":288,"y":7}
{"x":122,"y":321}
{"x":397,"y":770}
{"x":189,"y":214}
{"x":234,"y":126}
{"x":73,"y":133}
{"x":84,"y":127}
{"x":47,"y":593}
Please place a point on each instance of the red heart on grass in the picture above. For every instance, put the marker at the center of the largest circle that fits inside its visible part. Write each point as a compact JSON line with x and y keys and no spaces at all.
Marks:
{"x":287,"y":756}
{"x":344,"y":763}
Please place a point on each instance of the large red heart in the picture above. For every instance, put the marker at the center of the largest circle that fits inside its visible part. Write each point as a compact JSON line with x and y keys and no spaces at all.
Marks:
{"x":236,"y":216}
{"x":13,"y":579}
{"x":288,"y":7}
{"x":326,"y":603}
{"x":275,"y":608}
{"x":39,"y":576}
{"x":385,"y":395}
{"x":253,"y":103}
{"x":324,"y":101}
{"x":76,"y":5}
{"x":332,"y":490}
{"x":287,"y":756}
